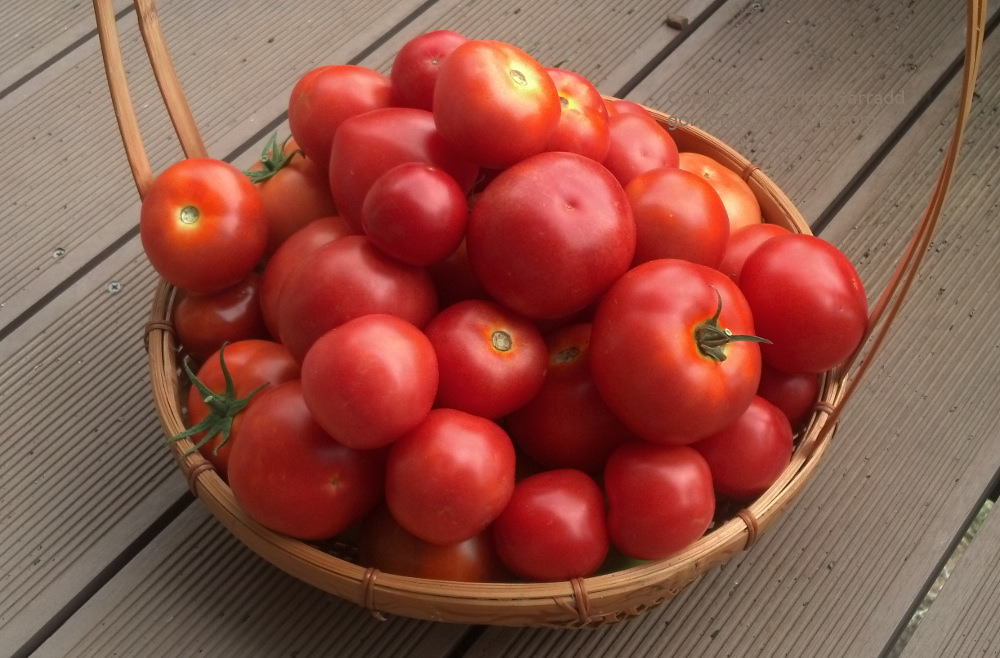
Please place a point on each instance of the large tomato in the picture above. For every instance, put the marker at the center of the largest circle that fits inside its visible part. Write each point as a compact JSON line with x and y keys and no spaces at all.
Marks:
{"x":554,"y":527}
{"x":205,"y":322}
{"x":550,"y":234}
{"x":370,"y":380}
{"x":807,"y":299}
{"x":495,"y":103}
{"x":292,"y":477}
{"x":415,"y":67}
{"x":672,"y":351}
{"x":450,"y":477}
{"x":583,"y":123}
{"x":638,"y":144}
{"x":202,"y":225}
{"x":741,"y":204}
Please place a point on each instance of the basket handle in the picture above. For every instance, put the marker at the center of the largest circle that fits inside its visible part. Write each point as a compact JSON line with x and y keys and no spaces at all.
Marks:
{"x":166,"y":79}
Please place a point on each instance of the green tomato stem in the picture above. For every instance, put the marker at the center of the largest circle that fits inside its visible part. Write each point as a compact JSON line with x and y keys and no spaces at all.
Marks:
{"x":713,"y":339}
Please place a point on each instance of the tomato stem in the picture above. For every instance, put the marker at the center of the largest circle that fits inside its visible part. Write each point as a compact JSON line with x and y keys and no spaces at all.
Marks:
{"x":712,"y":339}
{"x":272,"y":159}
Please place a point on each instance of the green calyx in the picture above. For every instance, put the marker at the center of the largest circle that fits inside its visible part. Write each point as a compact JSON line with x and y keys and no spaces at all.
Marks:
{"x":712,"y":339}
{"x":223,"y":408}
{"x":272,"y":159}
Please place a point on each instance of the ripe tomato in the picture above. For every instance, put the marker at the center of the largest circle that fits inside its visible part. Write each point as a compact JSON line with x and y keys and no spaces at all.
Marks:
{"x":415,"y":212}
{"x":389,"y":547}
{"x":205,"y":322}
{"x":743,"y":241}
{"x":638,"y":144}
{"x":550,"y":234}
{"x":415,"y":67}
{"x":741,"y":204}
{"x":251,"y":364}
{"x":491,"y":360}
{"x":677,"y":215}
{"x":454,"y":279}
{"x":553,"y":528}
{"x":567,"y":424}
{"x":671,"y":351}
{"x":325,"y":97}
{"x":370,"y":380}
{"x":368,"y":145}
{"x":807,"y":299}
{"x":450,"y":477}
{"x":202,"y":225}
{"x":344,"y":279}
{"x":795,"y":394}
{"x":583,"y":123}
{"x":660,"y":499}
{"x":495,"y":103}
{"x":291,"y":477}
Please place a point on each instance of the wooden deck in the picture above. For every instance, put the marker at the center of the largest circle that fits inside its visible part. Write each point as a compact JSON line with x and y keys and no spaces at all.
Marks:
{"x":847,"y":105}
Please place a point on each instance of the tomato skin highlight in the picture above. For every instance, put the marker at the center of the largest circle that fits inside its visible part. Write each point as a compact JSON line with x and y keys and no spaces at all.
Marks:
{"x":205,"y":322}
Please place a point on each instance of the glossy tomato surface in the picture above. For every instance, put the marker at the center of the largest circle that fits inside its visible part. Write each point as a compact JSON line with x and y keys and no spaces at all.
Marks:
{"x":583,"y":122}
{"x":417,"y":64}
{"x":205,"y":322}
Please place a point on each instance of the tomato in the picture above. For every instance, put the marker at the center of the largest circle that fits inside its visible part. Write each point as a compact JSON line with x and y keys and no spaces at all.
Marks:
{"x":291,"y":477}
{"x":388,"y":546}
{"x":677,"y":215}
{"x":622,"y":106}
{"x":567,"y":424}
{"x":450,"y":477}
{"x":287,"y":257}
{"x":491,"y":360}
{"x":293,"y":188}
{"x":747,"y":457}
{"x":583,"y":123}
{"x":415,"y":67}
{"x":370,"y":380}
{"x":495,"y":103}
{"x":368,"y":145}
{"x":743,"y":241}
{"x":807,"y":299}
{"x":344,"y":279}
{"x":251,"y":364}
{"x":741,"y":203}
{"x":553,"y":528}
{"x":638,"y":144}
{"x":205,"y":322}
{"x":795,"y":394}
{"x":454,"y":279}
{"x":325,"y":97}
{"x":550,"y":234}
{"x":672,"y":351}
{"x":415,"y":212}
{"x":660,"y":499}
{"x":202,"y":225}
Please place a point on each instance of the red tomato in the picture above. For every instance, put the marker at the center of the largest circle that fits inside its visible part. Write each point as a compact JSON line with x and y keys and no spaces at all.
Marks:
{"x":367,"y":146}
{"x":553,"y":528}
{"x":454,"y":279}
{"x":251,"y":364}
{"x":370,"y":380}
{"x":491,"y":360}
{"x":677,"y":215}
{"x":795,"y":394}
{"x":567,"y":424}
{"x":622,"y":106}
{"x":583,"y":123}
{"x":526,"y":237}
{"x":670,"y":351}
{"x":807,"y":299}
{"x":202,"y":225}
{"x":748,"y":456}
{"x":495,"y":103}
{"x":388,"y":546}
{"x":415,"y":212}
{"x":344,"y":279}
{"x":743,"y":241}
{"x":288,"y":256}
{"x":660,"y":499}
{"x":325,"y":97}
{"x":741,"y":204}
{"x":450,"y":478}
{"x":415,"y":67}
{"x":638,"y":144}
{"x":205,"y":322}
{"x":293,"y":188}
{"x":291,"y":477}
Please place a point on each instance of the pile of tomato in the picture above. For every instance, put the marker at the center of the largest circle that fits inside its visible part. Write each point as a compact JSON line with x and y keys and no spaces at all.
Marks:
{"x":489,"y":324}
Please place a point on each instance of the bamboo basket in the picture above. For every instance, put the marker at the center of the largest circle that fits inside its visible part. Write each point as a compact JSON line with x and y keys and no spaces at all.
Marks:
{"x":581,"y":602}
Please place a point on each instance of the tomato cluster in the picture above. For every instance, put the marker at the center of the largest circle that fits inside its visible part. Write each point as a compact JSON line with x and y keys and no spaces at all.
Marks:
{"x":489,"y":321}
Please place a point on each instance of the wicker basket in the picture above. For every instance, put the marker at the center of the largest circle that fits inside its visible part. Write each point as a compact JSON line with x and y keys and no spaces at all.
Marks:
{"x":582,"y":602}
